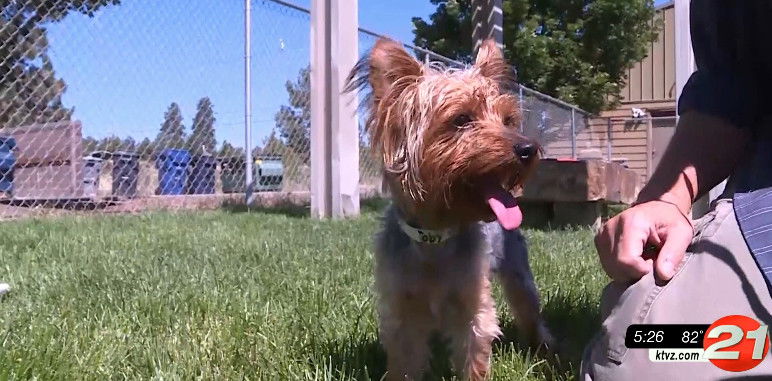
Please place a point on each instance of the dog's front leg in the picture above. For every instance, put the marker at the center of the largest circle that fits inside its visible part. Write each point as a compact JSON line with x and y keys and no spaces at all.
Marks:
{"x":404,"y":332}
{"x":523,"y":299}
{"x":473,"y":329}
{"x":521,"y":293}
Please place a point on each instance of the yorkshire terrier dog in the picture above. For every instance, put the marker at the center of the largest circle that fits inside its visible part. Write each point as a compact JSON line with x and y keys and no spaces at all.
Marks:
{"x":452,"y":159}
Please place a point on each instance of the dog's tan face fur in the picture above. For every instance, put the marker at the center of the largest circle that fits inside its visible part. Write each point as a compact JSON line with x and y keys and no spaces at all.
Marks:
{"x":444,"y":133}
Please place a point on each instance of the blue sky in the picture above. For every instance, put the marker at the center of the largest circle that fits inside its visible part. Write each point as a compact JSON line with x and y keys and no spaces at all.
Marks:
{"x":124,"y":66}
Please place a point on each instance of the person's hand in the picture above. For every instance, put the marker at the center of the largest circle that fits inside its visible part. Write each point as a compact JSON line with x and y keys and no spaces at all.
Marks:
{"x":623,"y":240}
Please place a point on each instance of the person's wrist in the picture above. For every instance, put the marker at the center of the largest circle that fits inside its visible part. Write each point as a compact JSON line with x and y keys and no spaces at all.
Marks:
{"x":666,"y":198}
{"x":682,"y":202}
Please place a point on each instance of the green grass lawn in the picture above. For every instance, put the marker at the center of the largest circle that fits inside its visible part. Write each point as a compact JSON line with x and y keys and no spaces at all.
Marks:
{"x":231,"y":295}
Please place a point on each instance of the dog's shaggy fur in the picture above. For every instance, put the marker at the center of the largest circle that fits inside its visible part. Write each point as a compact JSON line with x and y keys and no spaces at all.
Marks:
{"x":446,"y":138}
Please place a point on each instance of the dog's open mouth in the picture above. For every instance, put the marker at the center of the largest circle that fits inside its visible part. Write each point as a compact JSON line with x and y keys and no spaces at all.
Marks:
{"x":503,"y":205}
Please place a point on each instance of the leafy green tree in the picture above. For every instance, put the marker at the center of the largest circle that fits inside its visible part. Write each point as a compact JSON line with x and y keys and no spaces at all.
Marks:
{"x":293,"y":121}
{"x":30,"y":91}
{"x":202,"y":140}
{"x":576,"y":50}
{"x":172,"y":133}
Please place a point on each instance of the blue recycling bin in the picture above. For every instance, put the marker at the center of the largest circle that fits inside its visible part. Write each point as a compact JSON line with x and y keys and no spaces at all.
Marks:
{"x":7,"y":163}
{"x":172,"y":167}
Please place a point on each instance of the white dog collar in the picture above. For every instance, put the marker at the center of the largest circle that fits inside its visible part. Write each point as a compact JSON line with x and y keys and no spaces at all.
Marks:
{"x":433,"y":237}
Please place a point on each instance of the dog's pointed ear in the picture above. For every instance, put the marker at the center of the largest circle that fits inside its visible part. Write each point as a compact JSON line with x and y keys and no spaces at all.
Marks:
{"x":492,"y":64}
{"x":389,"y":62}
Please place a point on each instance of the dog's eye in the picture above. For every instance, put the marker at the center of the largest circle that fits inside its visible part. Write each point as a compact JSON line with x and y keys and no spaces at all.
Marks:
{"x":509,"y":121}
{"x":462,"y":120}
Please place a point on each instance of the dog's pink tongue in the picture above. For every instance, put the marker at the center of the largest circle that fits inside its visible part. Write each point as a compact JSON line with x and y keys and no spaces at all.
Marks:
{"x":504,"y":206}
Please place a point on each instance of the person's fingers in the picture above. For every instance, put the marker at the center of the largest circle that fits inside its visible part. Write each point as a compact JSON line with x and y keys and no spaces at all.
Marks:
{"x":606,"y":243}
{"x":629,"y":253}
{"x":633,"y":268}
{"x":677,"y":241}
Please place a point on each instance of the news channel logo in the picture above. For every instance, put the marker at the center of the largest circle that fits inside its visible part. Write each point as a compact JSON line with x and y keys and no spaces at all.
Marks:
{"x":734,"y":343}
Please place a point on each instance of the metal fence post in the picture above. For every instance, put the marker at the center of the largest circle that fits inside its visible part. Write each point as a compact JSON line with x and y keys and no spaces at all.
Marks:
{"x":573,"y":133}
{"x":248,"y":99}
{"x":344,"y":48}
{"x":334,"y":128}
{"x":522,"y":109}
{"x":649,"y":146}
{"x":321,"y":197}
{"x":608,"y":139}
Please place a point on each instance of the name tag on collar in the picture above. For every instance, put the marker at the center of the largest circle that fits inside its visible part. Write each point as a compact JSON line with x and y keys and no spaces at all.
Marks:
{"x":429,"y":237}
{"x":432,"y":237}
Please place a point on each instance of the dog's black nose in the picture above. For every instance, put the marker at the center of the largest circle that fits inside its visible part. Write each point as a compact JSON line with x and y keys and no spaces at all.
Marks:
{"x":525,"y":150}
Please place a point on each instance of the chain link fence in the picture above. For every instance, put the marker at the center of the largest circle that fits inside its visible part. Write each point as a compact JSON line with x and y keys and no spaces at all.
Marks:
{"x":115,"y":105}
{"x":135,"y":105}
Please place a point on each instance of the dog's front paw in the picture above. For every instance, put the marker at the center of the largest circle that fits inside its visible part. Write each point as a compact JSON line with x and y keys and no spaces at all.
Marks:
{"x":543,"y":341}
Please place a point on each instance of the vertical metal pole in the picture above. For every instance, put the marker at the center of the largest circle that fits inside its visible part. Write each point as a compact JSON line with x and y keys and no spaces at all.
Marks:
{"x":685,"y":64}
{"x":321,"y":113}
{"x":344,"y":126}
{"x":334,"y":129}
{"x":248,"y":98}
{"x":573,"y":133}
{"x":649,"y":148}
{"x":608,"y":139}
{"x":522,"y":109}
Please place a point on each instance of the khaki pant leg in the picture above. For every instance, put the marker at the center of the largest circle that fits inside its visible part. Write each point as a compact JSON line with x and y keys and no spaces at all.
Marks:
{"x":717,"y":277}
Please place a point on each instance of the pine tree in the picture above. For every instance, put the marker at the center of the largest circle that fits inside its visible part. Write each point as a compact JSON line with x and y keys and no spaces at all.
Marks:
{"x":273,"y":146}
{"x":129,"y":145}
{"x":172,"y":133}
{"x":228,"y":150}
{"x":293,"y":121}
{"x":30,"y":92}
{"x":89,"y":144}
{"x":202,"y":140}
{"x":145,"y":149}
{"x":110,"y":144}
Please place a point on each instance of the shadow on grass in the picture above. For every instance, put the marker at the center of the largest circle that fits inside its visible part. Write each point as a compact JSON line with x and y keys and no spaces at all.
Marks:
{"x":573,"y":326}
{"x":359,"y":359}
{"x":285,"y":209}
{"x":288,"y":209}
{"x":365,"y":359}
{"x":374,"y":205}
